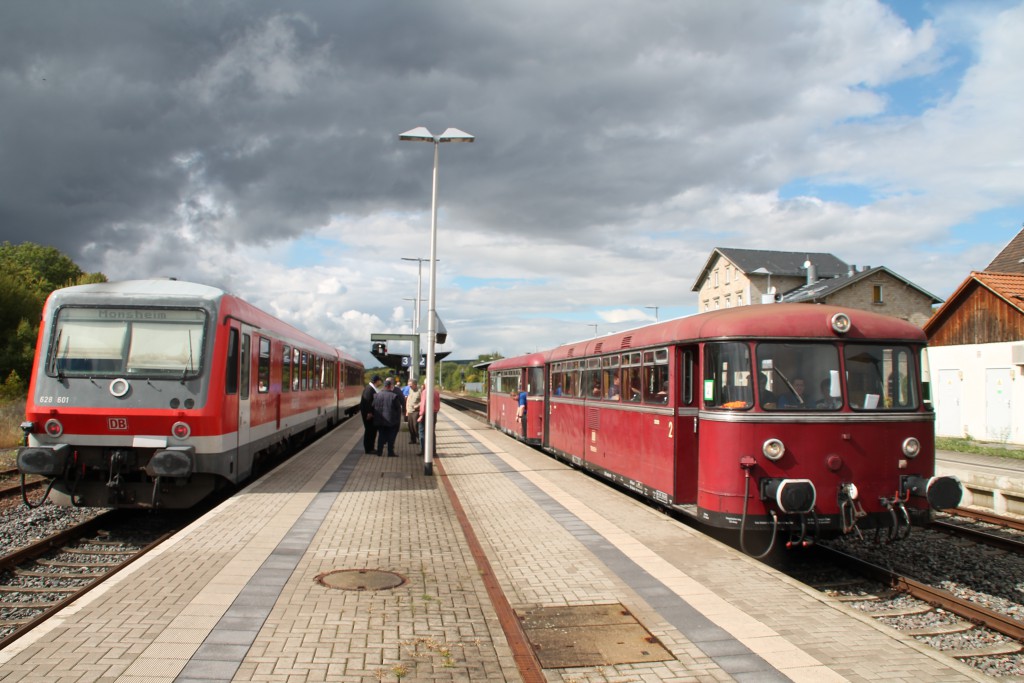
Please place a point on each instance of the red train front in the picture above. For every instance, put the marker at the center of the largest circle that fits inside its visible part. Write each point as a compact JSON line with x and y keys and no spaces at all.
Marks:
{"x":158,"y":392}
{"x":800,"y":420}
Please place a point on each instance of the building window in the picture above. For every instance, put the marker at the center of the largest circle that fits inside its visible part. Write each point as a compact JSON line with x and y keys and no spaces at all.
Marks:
{"x":876,"y":294}
{"x":716,"y":303}
{"x":728,"y":301}
{"x":728,"y":274}
{"x":716,"y":277}
{"x":739,"y":298}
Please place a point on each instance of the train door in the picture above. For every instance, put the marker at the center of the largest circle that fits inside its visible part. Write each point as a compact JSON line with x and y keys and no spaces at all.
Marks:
{"x":244,"y":405}
{"x":686,"y":426}
{"x":998,"y":410}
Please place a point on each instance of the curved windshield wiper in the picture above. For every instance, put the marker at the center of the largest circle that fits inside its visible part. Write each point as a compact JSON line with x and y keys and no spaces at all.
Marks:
{"x":191,"y":365}
{"x":57,"y":367}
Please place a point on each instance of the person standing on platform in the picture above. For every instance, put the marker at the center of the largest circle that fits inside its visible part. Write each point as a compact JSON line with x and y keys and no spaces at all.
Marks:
{"x":366,"y":410}
{"x":413,"y":394}
{"x":387,"y":416}
{"x":433,"y":417}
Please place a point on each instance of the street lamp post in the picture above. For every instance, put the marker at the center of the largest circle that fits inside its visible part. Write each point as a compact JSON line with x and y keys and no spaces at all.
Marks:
{"x":419,"y":289}
{"x":421,"y":134}
{"x":655,"y":311}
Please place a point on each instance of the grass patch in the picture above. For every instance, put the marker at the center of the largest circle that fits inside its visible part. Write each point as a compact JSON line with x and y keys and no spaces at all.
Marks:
{"x":12,"y":414}
{"x":945,"y":443}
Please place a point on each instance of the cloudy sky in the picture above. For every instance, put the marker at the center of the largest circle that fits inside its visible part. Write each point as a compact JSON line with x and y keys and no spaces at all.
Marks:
{"x":254,"y":145}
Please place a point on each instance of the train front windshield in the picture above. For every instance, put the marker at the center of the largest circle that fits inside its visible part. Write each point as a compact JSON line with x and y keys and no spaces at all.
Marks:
{"x":144,"y":342}
{"x":810,"y":376}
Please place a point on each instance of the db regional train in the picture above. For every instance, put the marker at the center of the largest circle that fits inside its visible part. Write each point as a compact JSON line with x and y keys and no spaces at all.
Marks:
{"x":156,"y":393}
{"x":790,"y":419}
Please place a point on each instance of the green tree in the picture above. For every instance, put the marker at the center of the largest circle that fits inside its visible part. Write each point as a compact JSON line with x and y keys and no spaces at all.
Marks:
{"x":28,"y":273}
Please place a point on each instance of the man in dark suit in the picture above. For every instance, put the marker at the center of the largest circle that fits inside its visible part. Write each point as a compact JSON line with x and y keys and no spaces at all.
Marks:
{"x":366,"y":410}
{"x":387,"y":416}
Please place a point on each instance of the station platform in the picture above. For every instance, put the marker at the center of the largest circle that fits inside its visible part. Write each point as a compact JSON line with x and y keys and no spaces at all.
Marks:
{"x":503,"y":565}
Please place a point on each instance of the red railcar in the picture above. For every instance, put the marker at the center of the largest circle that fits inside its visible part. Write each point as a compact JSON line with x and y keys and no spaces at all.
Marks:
{"x":797,"y":417}
{"x":158,"y":392}
{"x":515,"y":397}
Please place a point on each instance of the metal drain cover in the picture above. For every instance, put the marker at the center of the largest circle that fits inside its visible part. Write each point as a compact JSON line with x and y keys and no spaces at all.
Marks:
{"x":361,"y":579}
{"x":589,"y":635}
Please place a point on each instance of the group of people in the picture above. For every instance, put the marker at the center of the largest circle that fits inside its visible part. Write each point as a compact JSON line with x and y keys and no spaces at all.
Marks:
{"x":383,"y":409}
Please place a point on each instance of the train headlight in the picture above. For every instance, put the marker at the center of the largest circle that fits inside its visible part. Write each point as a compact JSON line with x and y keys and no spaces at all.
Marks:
{"x":53,"y":427}
{"x":911,"y":447}
{"x":773,"y":449}
{"x":841,"y":323}
{"x":180,"y":430}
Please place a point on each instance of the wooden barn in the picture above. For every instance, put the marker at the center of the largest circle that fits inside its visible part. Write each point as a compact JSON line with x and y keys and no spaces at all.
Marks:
{"x":976,"y":355}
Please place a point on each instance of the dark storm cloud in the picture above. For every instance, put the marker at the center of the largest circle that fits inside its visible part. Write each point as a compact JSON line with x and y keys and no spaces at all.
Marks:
{"x":249,"y":122}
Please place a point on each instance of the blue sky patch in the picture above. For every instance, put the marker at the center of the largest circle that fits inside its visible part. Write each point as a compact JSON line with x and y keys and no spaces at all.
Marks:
{"x":842,"y":193}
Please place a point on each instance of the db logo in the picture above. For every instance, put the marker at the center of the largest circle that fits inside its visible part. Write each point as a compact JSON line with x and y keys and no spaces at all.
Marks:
{"x":117,"y":424}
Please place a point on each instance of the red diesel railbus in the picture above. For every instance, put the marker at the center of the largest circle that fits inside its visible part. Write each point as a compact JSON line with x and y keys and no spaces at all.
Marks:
{"x":808,"y":419}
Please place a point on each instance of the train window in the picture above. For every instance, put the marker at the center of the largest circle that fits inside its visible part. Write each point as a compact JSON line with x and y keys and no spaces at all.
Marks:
{"x":286,"y":369}
{"x":263,"y":366}
{"x":611,"y":382}
{"x":632,"y":371}
{"x":563,"y":379}
{"x":231,"y":370}
{"x":686,"y":381}
{"x":656,"y":378}
{"x":535,"y":381}
{"x":591,"y":385}
{"x":727,"y":376}
{"x":798,"y":376}
{"x":328,"y":374}
{"x":881,"y":377}
{"x":573,"y":387}
{"x":137,"y":341}
{"x":244,"y":365}
{"x":296,"y":369}
{"x":303,"y":371}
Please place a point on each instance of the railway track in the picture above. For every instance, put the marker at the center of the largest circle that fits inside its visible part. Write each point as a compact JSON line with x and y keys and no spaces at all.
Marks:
{"x":888,"y":603}
{"x":39,"y":580}
{"x":475,"y":406}
{"x":986,"y":528}
{"x":10,"y":486}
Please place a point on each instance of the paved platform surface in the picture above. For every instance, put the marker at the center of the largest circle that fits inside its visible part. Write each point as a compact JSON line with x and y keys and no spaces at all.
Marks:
{"x":610,"y":590}
{"x":990,"y":483}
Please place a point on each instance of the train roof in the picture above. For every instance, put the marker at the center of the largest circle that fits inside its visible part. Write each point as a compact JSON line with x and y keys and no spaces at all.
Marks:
{"x":163,"y":287}
{"x":528,"y":360}
{"x":180,"y":292}
{"x":765,"y":321}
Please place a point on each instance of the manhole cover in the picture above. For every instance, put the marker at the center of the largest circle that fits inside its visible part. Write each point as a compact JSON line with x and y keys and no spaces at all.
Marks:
{"x":361,"y":579}
{"x":589,"y":635}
